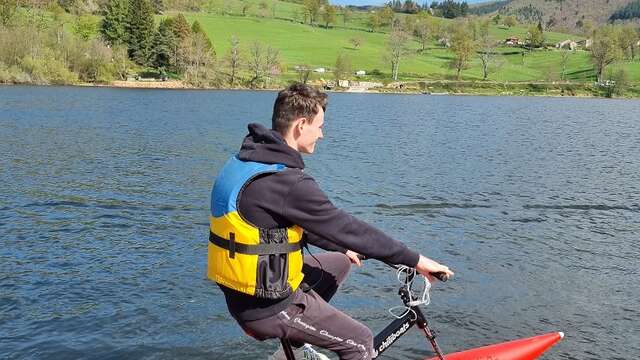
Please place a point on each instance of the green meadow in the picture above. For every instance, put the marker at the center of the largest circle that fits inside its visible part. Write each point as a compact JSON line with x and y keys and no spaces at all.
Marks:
{"x":317,"y":46}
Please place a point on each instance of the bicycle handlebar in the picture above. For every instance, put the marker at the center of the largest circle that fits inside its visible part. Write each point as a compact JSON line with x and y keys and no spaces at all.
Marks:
{"x":442,"y":276}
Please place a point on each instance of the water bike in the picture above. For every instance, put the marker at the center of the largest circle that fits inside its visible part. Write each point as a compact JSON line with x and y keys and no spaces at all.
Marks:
{"x":412,"y":315}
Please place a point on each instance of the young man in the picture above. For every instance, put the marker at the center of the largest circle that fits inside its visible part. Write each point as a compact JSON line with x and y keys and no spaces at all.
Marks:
{"x":264,"y":208}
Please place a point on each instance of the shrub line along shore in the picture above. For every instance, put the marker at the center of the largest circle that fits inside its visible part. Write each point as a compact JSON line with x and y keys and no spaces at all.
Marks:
{"x":432,"y":87}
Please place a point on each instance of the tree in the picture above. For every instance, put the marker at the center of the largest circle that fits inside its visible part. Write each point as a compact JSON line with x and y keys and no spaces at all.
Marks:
{"x":620,"y":81}
{"x":343,"y":66}
{"x":374,"y":21}
{"x":347,"y":14}
{"x":114,"y":24}
{"x":535,"y":37}
{"x":245,"y":7}
{"x":263,"y":63}
{"x":234,"y":59}
{"x":141,"y":28}
{"x":8,"y":9}
{"x":312,"y":8}
{"x":356,"y":42}
{"x":196,"y":28}
{"x":462,"y":46}
{"x":121,"y":61}
{"x":84,"y":27}
{"x":396,"y":49}
{"x":304,"y":71}
{"x":605,"y":49}
{"x":386,"y":15}
{"x":510,"y":21}
{"x":182,"y":33}
{"x":329,"y":15}
{"x":588,"y":28}
{"x":486,"y":48}
{"x":564,"y":59}
{"x":263,"y":9}
{"x":422,"y":31}
{"x":272,"y":62}
{"x":201,"y":57}
{"x":628,"y":40}
{"x":164,"y":44}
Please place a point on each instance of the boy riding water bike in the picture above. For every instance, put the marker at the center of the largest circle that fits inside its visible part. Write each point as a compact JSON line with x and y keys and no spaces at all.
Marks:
{"x":264,"y":209}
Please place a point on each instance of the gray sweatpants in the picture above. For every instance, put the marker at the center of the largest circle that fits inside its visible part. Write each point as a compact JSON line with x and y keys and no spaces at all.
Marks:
{"x":310,"y":319}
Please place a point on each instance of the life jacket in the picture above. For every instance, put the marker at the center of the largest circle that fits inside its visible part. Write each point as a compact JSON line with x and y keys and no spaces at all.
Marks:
{"x":266,"y":263}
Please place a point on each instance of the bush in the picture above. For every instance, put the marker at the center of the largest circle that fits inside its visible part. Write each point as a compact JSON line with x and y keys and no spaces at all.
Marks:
{"x":13,"y":75}
{"x":46,"y":69}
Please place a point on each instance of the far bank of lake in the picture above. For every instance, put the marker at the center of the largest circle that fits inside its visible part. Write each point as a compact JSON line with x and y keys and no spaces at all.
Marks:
{"x":431,"y":87}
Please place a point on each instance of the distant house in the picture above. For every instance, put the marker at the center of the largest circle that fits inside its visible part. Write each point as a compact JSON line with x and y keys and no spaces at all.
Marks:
{"x":567,"y":44}
{"x":320,"y":70}
{"x":361,"y":73}
{"x":512,"y":41}
{"x":444,"y":42}
{"x":586,"y":44}
{"x":343,"y":83}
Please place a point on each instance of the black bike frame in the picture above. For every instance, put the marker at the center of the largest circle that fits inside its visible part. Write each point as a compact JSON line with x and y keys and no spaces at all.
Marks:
{"x":395,"y":330}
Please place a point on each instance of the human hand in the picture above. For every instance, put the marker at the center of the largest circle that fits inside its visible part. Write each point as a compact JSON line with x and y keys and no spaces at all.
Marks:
{"x":427,"y":266}
{"x":353,"y":257}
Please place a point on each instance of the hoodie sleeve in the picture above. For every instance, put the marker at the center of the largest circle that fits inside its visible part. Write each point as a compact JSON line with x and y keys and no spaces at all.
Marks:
{"x":308,"y":206}
{"x":321,"y":242}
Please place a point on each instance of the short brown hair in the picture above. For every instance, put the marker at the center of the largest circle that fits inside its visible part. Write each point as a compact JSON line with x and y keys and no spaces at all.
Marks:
{"x":296,"y":101}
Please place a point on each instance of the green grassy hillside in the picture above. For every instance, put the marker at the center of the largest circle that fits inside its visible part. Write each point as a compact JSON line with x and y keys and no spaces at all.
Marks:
{"x":319,"y":47}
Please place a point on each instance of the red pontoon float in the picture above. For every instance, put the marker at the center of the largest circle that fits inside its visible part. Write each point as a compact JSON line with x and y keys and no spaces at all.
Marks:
{"x":522,"y":349}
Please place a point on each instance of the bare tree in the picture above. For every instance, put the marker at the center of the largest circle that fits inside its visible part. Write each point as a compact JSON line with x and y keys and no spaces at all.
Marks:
{"x":396,"y":49}
{"x":347,"y":14}
{"x":263,"y":63}
{"x":272,"y":63}
{"x":356,"y":42}
{"x":304,"y":71}
{"x":233,"y":59}
{"x":486,"y":47}
{"x":256,"y":63}
{"x":564,"y":59}
{"x":201,"y":57}
{"x":422,"y":31}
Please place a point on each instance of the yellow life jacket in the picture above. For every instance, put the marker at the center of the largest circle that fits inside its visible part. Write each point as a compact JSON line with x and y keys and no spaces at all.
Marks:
{"x":266,"y":263}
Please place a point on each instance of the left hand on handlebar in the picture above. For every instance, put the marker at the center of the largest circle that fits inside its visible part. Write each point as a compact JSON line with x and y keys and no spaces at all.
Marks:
{"x":354,"y":257}
{"x":427,"y":267}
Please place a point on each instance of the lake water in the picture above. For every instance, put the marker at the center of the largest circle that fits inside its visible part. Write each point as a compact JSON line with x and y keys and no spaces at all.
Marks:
{"x":104,"y":194}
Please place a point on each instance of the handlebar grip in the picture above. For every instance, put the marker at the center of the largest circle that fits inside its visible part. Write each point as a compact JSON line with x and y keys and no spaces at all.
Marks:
{"x":442,"y":276}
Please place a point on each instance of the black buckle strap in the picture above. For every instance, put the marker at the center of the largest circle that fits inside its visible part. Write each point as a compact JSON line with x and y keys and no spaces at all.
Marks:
{"x":258,"y":249}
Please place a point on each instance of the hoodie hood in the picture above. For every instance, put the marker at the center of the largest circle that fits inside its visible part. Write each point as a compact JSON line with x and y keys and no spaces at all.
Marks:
{"x":267,"y":146}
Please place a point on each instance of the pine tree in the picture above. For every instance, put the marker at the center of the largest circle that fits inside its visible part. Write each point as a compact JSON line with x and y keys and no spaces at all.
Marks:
{"x":141,"y":31}
{"x":196,"y":28}
{"x":163,"y":45}
{"x":182,"y":33}
{"x":114,"y":25}
{"x":180,"y":27}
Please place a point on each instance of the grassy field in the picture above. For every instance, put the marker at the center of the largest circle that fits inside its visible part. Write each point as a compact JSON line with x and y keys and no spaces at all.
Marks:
{"x":319,"y":47}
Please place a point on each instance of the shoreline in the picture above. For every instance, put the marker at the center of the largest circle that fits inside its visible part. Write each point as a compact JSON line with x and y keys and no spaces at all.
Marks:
{"x":461,"y":88}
